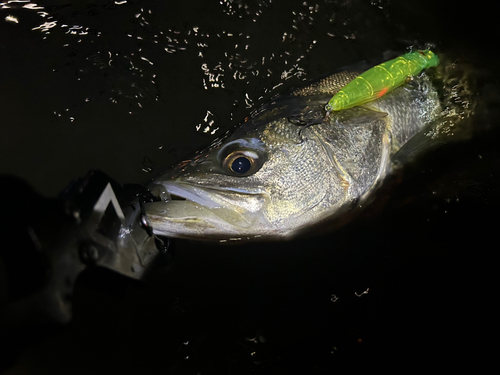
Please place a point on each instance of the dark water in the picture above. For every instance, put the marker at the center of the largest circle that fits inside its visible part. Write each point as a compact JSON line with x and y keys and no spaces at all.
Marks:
{"x":133,"y":87}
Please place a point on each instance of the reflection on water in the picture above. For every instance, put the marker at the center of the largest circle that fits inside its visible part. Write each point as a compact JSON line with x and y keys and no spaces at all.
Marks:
{"x":134,"y":86}
{"x":230,"y":58}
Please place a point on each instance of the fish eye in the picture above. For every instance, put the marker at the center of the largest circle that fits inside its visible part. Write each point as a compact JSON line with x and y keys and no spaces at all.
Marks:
{"x":241,"y":165}
{"x":241,"y":162}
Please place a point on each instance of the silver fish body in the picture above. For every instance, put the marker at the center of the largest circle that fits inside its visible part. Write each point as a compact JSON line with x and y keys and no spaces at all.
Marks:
{"x":291,"y":165}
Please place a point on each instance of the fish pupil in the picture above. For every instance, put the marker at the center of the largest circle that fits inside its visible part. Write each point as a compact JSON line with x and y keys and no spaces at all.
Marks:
{"x":241,"y":165}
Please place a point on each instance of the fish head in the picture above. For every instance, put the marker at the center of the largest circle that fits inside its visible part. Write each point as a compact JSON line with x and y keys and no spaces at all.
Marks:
{"x":265,"y":181}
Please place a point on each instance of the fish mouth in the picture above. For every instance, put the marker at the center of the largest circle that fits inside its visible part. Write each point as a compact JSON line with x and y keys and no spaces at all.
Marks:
{"x":186,"y":192}
{"x":191,"y":211}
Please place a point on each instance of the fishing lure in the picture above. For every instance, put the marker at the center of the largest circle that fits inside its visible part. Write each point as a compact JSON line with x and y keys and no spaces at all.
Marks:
{"x":382,"y":79}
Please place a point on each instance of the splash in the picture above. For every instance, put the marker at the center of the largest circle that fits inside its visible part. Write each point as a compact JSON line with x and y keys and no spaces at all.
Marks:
{"x":456,"y":81}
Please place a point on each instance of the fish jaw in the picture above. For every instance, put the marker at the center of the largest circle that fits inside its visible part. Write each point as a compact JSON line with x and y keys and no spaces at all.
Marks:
{"x":208,"y":213}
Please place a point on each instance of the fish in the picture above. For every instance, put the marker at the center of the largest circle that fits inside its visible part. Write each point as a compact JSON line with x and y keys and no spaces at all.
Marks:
{"x":292,"y":165}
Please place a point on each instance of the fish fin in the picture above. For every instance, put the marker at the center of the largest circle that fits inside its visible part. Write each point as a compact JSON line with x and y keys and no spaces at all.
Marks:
{"x":357,"y":115}
{"x":416,"y":146}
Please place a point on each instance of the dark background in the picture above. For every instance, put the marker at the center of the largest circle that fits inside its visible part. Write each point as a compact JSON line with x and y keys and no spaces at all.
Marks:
{"x":122,"y":88}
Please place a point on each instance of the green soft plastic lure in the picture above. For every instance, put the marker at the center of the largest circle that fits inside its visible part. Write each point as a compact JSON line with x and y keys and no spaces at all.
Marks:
{"x":382,"y":79}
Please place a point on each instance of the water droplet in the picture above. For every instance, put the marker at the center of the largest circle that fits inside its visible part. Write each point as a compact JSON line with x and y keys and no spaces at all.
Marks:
{"x":11,"y":18}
